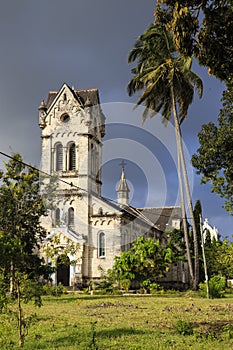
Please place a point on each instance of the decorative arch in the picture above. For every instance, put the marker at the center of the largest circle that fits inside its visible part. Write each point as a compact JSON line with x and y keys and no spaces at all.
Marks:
{"x":101,"y":245}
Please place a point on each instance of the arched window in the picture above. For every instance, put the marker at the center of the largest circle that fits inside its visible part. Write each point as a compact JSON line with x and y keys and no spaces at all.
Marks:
{"x":59,"y":157}
{"x":71,"y":216}
{"x":101,"y":245}
{"x":72,"y":157}
{"x":57,"y":216}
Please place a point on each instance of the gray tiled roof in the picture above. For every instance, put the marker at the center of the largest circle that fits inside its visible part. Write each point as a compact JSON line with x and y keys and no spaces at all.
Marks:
{"x":81,"y":96}
{"x":162,"y":217}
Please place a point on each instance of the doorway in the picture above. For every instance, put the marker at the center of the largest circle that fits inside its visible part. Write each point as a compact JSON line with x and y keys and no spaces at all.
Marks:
{"x":63,"y":270}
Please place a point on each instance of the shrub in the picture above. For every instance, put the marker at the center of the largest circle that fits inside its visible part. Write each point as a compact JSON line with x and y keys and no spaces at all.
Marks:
{"x":217,"y":287}
{"x":184,"y":328}
{"x":54,"y":290}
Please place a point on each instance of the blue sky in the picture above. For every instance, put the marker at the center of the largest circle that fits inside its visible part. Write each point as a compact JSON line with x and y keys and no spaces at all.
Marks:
{"x":85,"y":43}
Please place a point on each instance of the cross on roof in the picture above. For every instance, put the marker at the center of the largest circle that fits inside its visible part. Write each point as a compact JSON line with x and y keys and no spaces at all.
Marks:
{"x":123,"y":163}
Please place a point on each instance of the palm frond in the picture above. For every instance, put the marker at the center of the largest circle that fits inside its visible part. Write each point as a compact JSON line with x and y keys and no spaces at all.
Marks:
{"x":158,"y":68}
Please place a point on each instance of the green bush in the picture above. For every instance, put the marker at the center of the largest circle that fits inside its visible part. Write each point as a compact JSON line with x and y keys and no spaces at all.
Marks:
{"x":54,"y":290}
{"x":217,"y":287}
{"x":184,"y":328}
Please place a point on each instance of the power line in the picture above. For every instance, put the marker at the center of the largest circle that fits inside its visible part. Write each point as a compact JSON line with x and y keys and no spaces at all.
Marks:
{"x":94,"y":194}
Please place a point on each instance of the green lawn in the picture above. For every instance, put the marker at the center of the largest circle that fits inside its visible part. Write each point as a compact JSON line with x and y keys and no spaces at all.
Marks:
{"x":124,"y":322}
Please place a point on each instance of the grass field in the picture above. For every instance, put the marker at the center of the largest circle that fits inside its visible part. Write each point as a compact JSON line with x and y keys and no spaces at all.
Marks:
{"x":125,"y":323}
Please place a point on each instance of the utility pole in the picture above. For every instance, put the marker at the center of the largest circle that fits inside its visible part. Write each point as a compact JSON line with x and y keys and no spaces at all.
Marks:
{"x":204,"y":259}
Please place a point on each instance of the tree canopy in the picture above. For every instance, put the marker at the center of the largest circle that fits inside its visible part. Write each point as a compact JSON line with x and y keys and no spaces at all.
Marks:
{"x":21,"y":207}
{"x":146,"y":261}
{"x":214,"y":157}
{"x":201,"y":28}
{"x":21,"y":267}
{"x":168,"y":85}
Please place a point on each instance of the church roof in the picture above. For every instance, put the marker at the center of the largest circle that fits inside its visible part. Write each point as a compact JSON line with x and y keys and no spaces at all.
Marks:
{"x":162,"y":217}
{"x":125,"y":210}
{"x":82,"y":96}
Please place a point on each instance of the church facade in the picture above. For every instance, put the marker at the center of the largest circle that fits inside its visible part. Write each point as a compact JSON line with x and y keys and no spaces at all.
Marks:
{"x":72,"y":126}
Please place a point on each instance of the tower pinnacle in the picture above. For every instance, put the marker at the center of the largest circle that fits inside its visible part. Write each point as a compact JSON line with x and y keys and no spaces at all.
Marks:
{"x":123,"y":188}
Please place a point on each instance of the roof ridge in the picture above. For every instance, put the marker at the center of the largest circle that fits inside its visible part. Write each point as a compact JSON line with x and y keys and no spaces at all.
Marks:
{"x":89,"y":89}
{"x":165,"y":207}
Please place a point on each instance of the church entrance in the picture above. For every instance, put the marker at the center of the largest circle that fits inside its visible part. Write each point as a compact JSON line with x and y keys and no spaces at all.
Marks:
{"x":63,"y":270}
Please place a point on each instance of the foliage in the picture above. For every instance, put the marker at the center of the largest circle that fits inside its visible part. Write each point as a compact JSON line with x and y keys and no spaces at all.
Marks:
{"x":3,"y":293}
{"x":144,"y":262}
{"x":54,"y":290}
{"x":197,"y":212}
{"x":176,"y":244}
{"x":217,"y":287}
{"x":61,"y":247}
{"x":21,"y":206}
{"x":219,"y":256}
{"x":158,"y":67}
{"x":107,"y":281}
{"x":201,"y":28}
{"x":168,"y":85}
{"x":214,"y":158}
{"x":184,"y":328}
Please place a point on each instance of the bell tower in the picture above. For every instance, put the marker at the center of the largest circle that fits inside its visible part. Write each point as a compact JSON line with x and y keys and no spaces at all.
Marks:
{"x":72,"y":126}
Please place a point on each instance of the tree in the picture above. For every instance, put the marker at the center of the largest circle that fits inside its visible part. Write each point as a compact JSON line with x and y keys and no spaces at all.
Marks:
{"x":219,"y":256}
{"x":214,"y":157}
{"x":168,"y":84}
{"x":21,"y":206}
{"x":203,"y":29}
{"x":197,"y":213}
{"x":144,"y":262}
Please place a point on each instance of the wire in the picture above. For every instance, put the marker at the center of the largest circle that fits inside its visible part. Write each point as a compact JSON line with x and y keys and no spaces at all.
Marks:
{"x":132,"y":209}
{"x":34,"y":168}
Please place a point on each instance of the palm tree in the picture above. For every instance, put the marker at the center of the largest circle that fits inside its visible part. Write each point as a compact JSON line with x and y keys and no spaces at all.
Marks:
{"x":168,"y":88}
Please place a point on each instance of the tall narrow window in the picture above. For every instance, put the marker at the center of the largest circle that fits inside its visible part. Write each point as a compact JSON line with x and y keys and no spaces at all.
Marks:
{"x":101,"y":245}
{"x":72,"y":157}
{"x":57,"y":217}
{"x":59,"y":157}
{"x":71,"y":216}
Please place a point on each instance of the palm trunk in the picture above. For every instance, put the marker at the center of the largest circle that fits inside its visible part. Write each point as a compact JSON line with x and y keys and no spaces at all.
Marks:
{"x":185,"y":226}
{"x":187,"y":188}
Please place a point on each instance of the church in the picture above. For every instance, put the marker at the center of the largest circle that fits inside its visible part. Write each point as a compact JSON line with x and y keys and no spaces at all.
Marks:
{"x":72,"y":126}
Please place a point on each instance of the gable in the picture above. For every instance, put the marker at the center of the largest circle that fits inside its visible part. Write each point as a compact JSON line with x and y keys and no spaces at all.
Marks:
{"x":101,"y":206}
{"x":64,"y":99}
{"x":83,"y":97}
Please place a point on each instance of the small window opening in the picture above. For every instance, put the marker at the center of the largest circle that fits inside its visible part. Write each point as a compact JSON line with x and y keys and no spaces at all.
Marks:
{"x":59,"y":157}
{"x":71,"y":217}
{"x":57,"y":216}
{"x":65,"y":118}
{"x":101,"y":252}
{"x":72,"y":157}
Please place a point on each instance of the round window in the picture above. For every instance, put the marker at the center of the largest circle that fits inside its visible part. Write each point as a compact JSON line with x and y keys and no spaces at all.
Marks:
{"x":65,"y":118}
